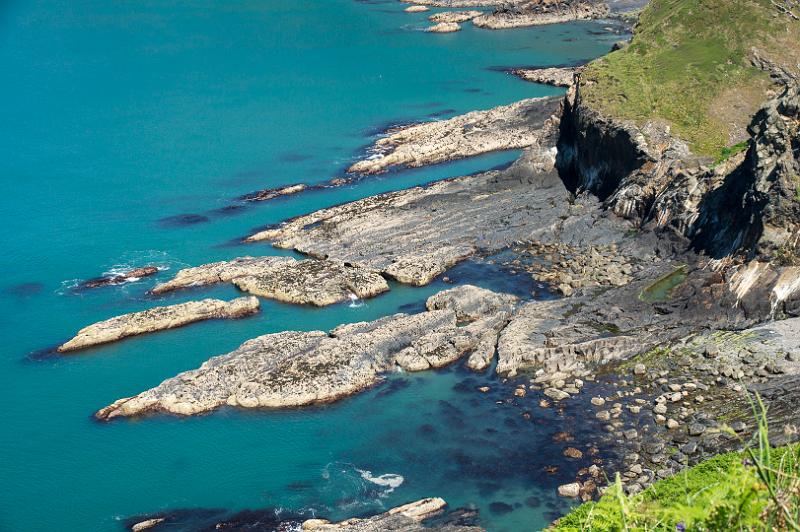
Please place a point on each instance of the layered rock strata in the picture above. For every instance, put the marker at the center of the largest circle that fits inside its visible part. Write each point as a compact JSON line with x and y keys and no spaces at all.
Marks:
{"x":159,"y":319}
{"x":506,"y":127}
{"x":315,"y":282}
{"x":292,"y":368}
{"x":416,"y":234}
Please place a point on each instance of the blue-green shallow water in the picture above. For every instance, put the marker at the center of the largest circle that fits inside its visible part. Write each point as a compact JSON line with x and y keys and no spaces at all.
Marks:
{"x":116,"y":115}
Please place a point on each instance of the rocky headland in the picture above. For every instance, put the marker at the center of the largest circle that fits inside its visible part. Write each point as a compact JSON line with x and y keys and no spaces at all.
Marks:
{"x":505,"y":127}
{"x":309,"y":281}
{"x":159,"y":319}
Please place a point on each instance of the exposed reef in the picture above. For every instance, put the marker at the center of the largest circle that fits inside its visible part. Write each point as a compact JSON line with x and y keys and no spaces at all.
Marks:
{"x":127,"y":277}
{"x":541,"y":12}
{"x":557,"y":77}
{"x":506,"y":127}
{"x":407,"y":518}
{"x":315,"y":282}
{"x":159,"y":319}
{"x":442,"y":27}
{"x":454,"y":16}
{"x":292,"y":368}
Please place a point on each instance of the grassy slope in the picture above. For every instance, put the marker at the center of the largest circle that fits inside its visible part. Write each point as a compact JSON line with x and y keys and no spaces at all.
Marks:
{"x":719,"y":494}
{"x":688,"y":66}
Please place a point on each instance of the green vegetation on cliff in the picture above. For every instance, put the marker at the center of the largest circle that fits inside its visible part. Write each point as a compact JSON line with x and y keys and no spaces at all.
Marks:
{"x":689,"y":66}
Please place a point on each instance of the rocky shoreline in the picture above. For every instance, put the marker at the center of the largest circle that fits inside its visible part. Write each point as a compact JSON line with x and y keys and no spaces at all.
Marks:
{"x":679,"y":276}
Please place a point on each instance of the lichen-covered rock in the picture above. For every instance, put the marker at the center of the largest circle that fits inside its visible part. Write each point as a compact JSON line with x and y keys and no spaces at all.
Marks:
{"x":294,"y":368}
{"x":159,"y":319}
{"x":309,"y":281}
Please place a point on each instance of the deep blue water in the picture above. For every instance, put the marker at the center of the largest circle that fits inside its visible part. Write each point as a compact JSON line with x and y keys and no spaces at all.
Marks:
{"x":117,"y":115}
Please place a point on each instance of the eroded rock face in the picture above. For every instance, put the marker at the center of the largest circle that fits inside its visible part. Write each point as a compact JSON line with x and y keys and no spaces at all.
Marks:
{"x":292,"y":368}
{"x":406,"y":518}
{"x":159,"y":319}
{"x":315,"y":282}
{"x":540,"y":12}
{"x":507,"y":127}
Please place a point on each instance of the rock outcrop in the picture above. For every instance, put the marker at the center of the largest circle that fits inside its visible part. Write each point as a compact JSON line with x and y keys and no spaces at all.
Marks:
{"x":407,"y":518}
{"x":507,"y":127}
{"x":416,"y":234}
{"x":471,"y":302}
{"x":315,"y":282}
{"x":555,"y":76}
{"x":416,"y":9}
{"x":159,"y":319}
{"x":292,"y":368}
{"x":541,"y":12}
{"x":454,"y":16}
{"x":127,"y":277}
{"x":444,"y":27}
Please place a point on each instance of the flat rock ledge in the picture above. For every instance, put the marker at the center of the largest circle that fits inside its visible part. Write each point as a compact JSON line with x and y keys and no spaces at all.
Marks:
{"x":506,"y":127}
{"x":557,"y":77}
{"x":539,"y":13}
{"x":414,"y":235}
{"x":309,"y":281}
{"x":292,"y":368}
{"x":454,"y":16}
{"x":416,"y":9}
{"x":406,"y":518}
{"x":159,"y":319}
{"x":444,"y":27}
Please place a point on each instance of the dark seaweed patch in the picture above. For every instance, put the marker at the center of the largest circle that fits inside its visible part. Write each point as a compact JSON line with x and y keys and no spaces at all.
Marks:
{"x":24,"y":289}
{"x":500,"y":508}
{"x":182,"y":220}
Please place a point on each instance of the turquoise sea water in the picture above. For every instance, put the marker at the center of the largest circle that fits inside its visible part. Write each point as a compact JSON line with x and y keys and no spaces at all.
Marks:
{"x":117,"y":115}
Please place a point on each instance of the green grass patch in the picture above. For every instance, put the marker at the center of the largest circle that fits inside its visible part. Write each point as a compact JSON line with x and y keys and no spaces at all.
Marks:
{"x":687,"y":66}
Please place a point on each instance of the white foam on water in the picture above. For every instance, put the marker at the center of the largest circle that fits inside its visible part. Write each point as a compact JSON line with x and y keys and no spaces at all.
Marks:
{"x":389,"y":480}
{"x":354,"y":301}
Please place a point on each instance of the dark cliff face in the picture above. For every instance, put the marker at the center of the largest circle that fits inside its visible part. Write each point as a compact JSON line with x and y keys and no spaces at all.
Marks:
{"x":595,"y":154}
{"x":749,"y":205}
{"x":757,"y":209}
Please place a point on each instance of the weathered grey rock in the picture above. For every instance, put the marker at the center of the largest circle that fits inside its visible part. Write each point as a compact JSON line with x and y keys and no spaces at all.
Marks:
{"x":414,"y":235}
{"x":416,"y":9}
{"x":147,"y":524}
{"x":129,"y":276}
{"x":309,"y":281}
{"x":443,"y":27}
{"x":506,"y":127}
{"x":454,"y":16}
{"x":558,"y":77}
{"x":571,"y":490}
{"x":407,"y":518}
{"x":537,"y":13}
{"x":471,"y":302}
{"x":159,"y":319}
{"x":292,"y":368}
